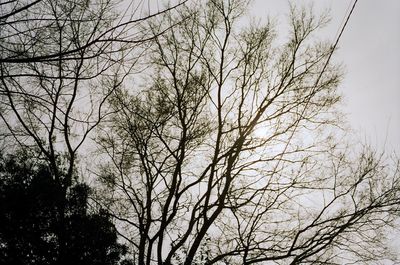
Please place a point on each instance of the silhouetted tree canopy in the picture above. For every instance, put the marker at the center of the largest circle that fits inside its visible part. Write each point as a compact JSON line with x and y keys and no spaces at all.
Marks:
{"x":30,"y":221}
{"x":208,"y":140}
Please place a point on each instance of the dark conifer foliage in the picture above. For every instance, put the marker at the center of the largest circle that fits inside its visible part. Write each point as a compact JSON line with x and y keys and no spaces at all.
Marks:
{"x":30,"y":220}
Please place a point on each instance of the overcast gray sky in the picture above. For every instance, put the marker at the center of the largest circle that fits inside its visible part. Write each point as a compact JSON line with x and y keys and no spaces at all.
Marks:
{"x":369,"y":49}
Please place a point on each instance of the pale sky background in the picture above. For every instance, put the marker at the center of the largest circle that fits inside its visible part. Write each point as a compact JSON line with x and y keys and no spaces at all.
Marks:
{"x":369,"y":49}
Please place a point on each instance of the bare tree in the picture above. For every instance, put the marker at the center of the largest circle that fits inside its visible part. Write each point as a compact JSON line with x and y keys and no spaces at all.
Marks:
{"x":59,"y":62}
{"x":224,"y":155}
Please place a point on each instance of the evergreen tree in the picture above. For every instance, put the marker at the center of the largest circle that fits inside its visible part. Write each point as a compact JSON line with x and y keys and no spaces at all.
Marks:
{"x":30,"y":220}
